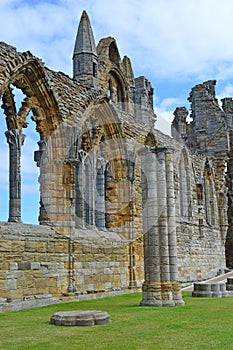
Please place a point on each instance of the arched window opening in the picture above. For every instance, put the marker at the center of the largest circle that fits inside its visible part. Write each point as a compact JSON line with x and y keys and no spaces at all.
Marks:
{"x":109,"y":186}
{"x":116,"y":90}
{"x":209,"y":196}
{"x":119,"y":95}
{"x":23,"y":173}
{"x":84,"y":191}
{"x":199,"y":194}
{"x":79,"y":198}
{"x":89,"y":203}
{"x":110,"y":90}
{"x":100,"y":197}
{"x":94,"y":69}
{"x":221,"y":208}
{"x":113,"y":53}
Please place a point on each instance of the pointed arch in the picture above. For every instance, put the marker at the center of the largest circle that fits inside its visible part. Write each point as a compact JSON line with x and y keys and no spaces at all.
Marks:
{"x":99,"y":195}
{"x":117,"y":91}
{"x":30,"y":77}
{"x":27,"y":73}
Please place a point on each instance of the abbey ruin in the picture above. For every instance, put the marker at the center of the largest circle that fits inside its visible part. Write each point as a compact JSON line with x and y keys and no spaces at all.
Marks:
{"x":123,"y":207}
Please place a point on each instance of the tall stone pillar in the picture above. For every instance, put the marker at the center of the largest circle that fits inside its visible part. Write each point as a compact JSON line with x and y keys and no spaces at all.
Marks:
{"x":151,"y":289}
{"x":15,"y":139}
{"x":160,"y":257}
{"x":171,"y":219}
{"x":166,"y":288}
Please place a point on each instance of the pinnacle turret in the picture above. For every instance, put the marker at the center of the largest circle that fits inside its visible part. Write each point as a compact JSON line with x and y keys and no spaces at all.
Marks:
{"x":85,"y":56}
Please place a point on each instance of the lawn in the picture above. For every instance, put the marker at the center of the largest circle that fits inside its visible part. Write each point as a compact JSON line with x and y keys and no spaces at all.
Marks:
{"x":201,"y":324}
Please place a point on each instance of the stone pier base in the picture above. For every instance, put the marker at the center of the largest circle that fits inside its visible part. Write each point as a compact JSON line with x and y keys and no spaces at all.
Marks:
{"x":80,"y":318}
{"x":161,"y":294}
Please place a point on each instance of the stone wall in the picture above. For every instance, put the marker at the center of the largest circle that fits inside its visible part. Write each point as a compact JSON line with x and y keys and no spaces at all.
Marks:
{"x":38,"y":266}
{"x":201,"y":254}
{"x":33,"y":264}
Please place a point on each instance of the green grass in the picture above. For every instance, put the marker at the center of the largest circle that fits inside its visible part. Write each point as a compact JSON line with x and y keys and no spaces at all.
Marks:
{"x":201,"y":324}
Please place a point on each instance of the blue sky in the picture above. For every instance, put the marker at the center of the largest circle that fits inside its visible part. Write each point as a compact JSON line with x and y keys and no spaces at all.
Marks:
{"x":176,"y":44}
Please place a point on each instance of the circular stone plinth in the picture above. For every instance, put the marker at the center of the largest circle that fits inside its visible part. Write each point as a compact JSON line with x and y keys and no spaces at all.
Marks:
{"x":80,"y":318}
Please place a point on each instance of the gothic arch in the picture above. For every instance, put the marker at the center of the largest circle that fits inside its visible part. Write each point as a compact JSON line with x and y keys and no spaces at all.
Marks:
{"x":30,"y":77}
{"x":116,"y":86}
{"x":114,"y":75}
{"x":28,"y":74}
{"x":102,"y":139}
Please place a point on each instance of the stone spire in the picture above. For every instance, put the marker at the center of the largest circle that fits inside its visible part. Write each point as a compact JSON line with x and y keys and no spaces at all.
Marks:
{"x":85,"y":56}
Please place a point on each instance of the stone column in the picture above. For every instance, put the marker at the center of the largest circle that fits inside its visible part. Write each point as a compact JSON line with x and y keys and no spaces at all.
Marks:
{"x":15,"y":139}
{"x":172,"y":241}
{"x":166,"y":288}
{"x":151,"y":289}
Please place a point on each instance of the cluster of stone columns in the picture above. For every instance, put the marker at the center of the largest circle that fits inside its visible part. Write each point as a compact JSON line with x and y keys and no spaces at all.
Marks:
{"x":161,"y":287}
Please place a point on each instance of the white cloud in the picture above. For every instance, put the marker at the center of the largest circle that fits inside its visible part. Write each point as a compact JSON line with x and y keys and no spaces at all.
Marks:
{"x":173,"y":38}
{"x":164,"y":111}
{"x":227,"y":91}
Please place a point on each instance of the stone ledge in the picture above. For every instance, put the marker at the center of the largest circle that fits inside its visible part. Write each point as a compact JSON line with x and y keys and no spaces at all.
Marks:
{"x":26,"y":302}
{"x":19,"y":231}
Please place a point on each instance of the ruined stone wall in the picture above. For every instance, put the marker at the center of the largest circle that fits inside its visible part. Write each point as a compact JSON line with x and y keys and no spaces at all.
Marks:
{"x":34,"y":266}
{"x":101,"y":263}
{"x":201,"y":255}
{"x":202,"y":237}
{"x":38,"y":266}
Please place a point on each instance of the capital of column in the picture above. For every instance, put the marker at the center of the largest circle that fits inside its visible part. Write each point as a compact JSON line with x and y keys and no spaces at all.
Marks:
{"x":162,"y":150}
{"x":101,"y":164}
{"x":15,"y":138}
